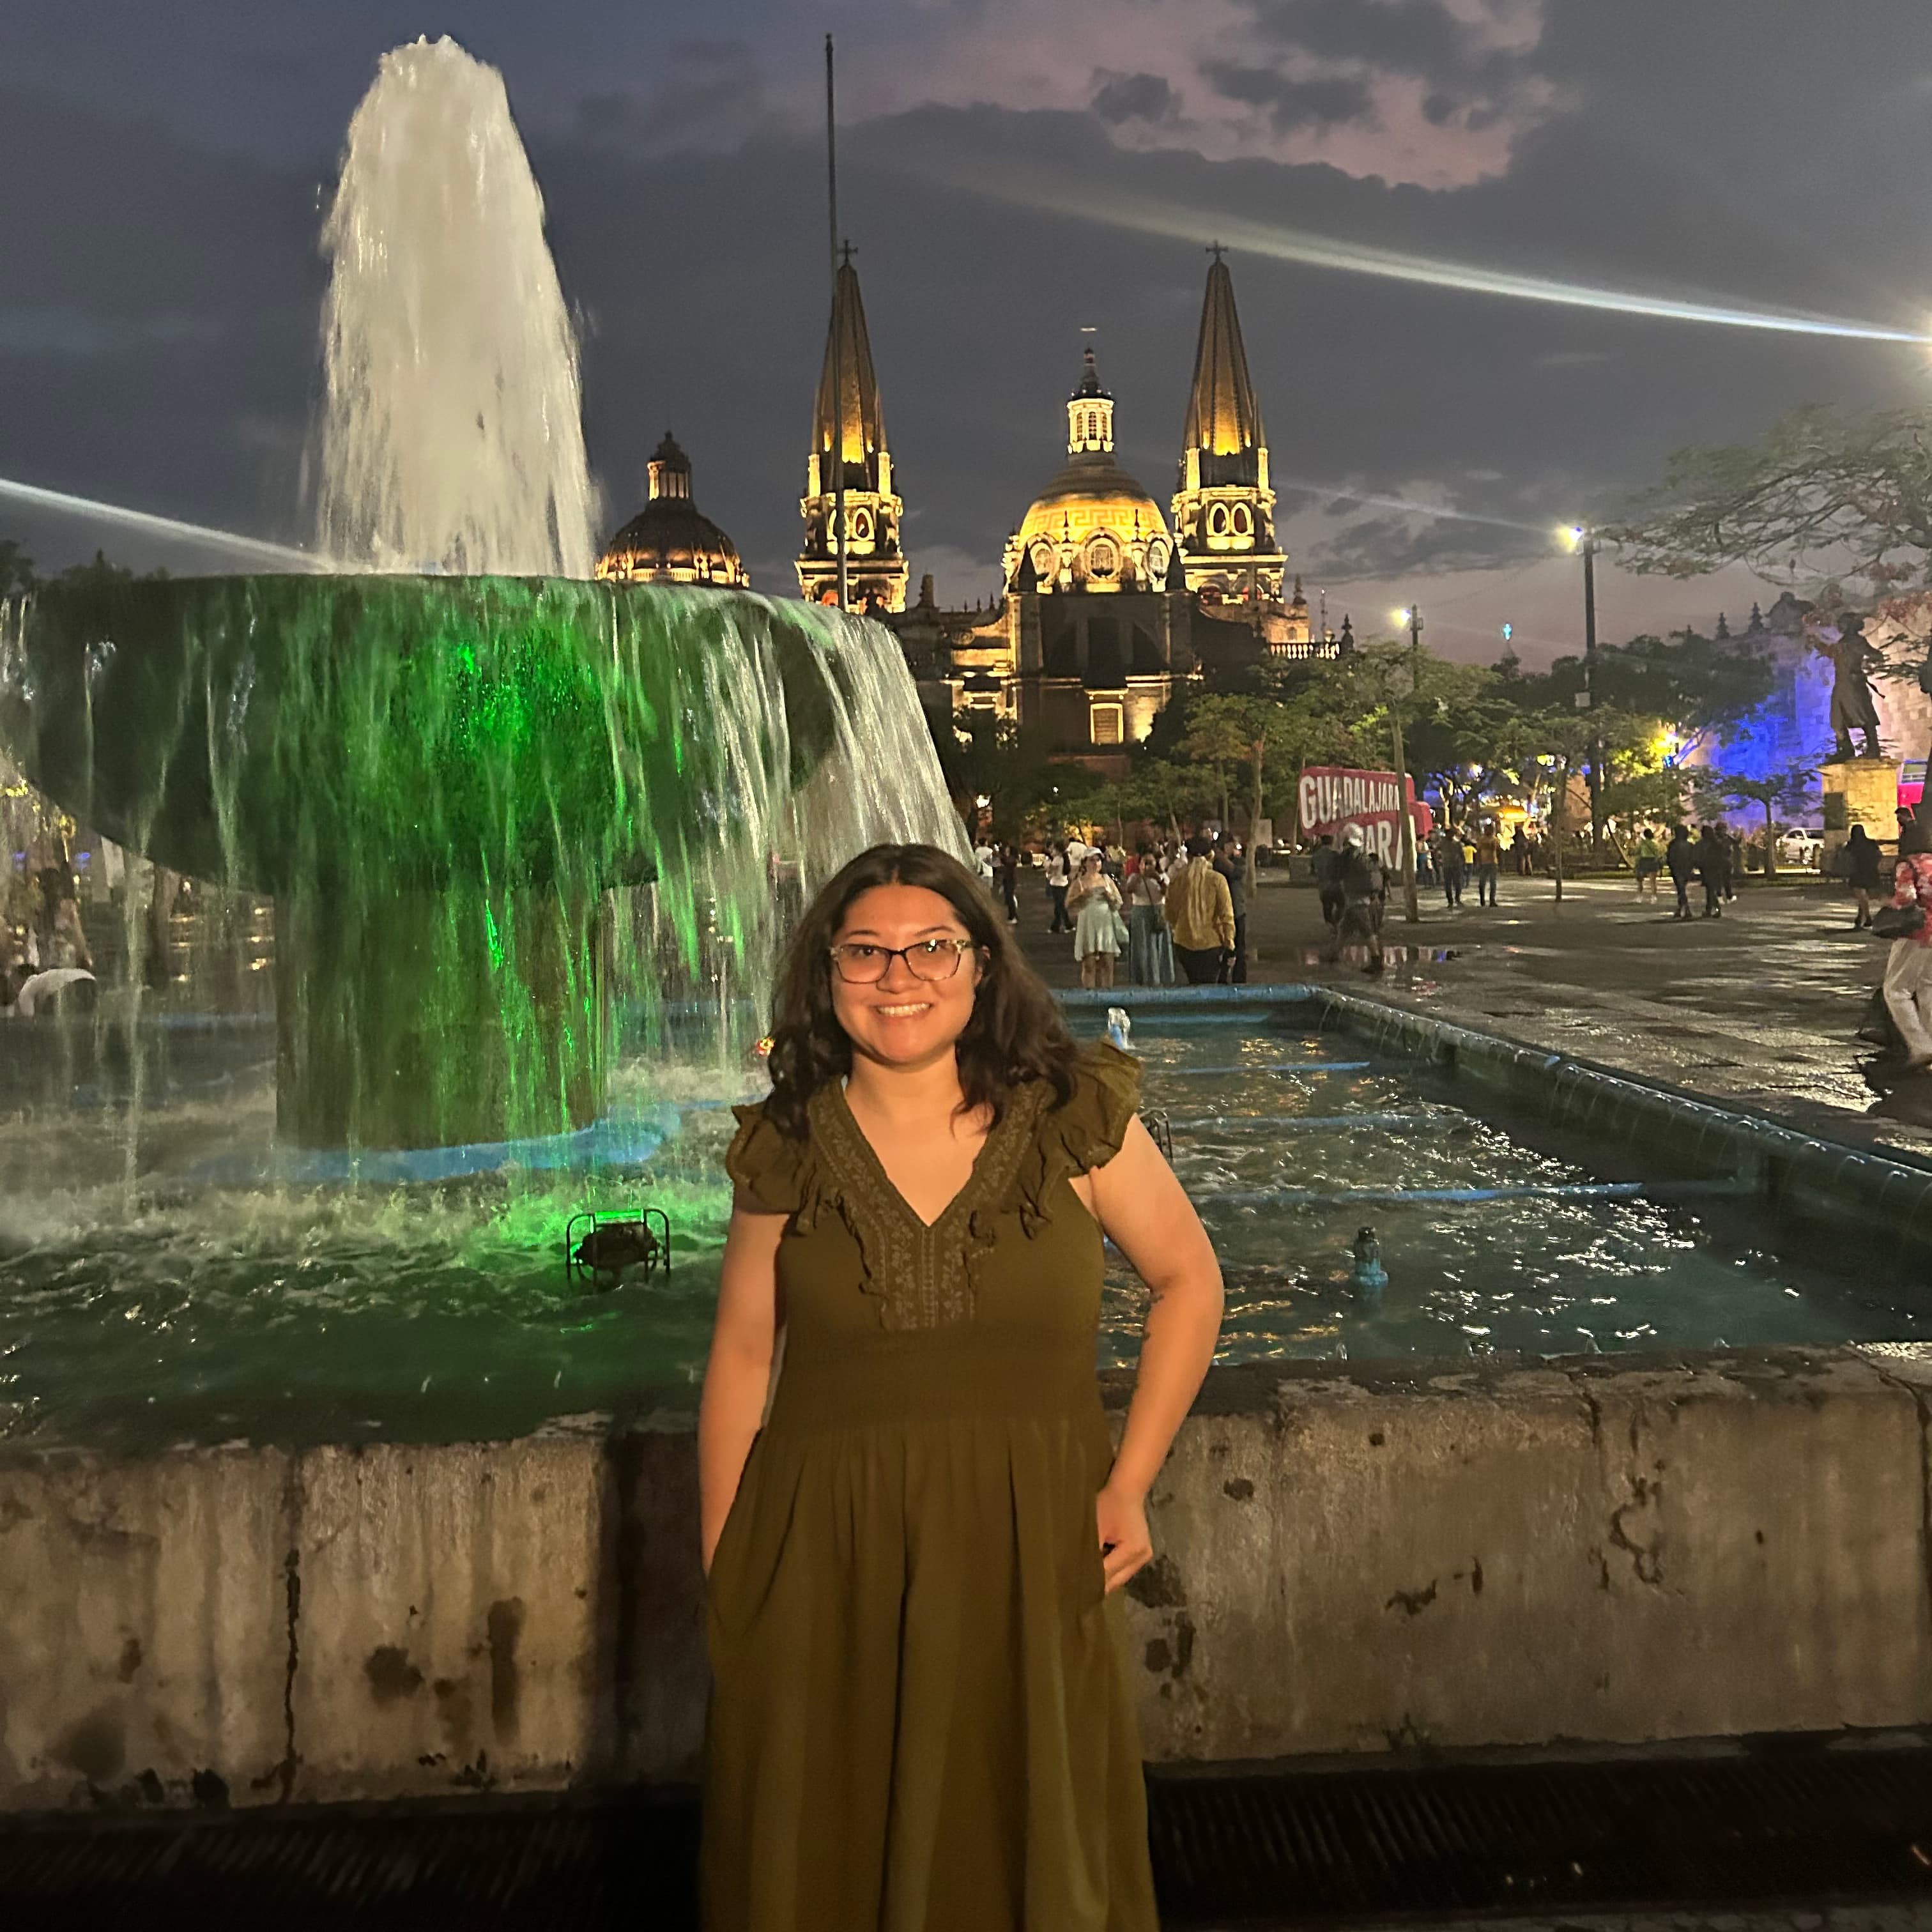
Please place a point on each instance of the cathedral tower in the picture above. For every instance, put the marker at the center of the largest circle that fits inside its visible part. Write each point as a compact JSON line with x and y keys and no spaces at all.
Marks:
{"x":1224,"y":509}
{"x":848,"y":428}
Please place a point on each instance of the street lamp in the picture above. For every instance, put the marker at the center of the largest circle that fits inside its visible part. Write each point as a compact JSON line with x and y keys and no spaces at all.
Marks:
{"x":1583,"y":541}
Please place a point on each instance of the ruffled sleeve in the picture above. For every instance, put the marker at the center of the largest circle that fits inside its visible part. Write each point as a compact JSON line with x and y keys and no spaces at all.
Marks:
{"x":767,"y":1168}
{"x":1106,"y":1093}
{"x":1085,"y":1133}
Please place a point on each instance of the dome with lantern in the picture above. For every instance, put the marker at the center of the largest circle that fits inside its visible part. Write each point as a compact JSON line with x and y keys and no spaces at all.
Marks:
{"x":669,"y":542}
{"x":1093,"y":527}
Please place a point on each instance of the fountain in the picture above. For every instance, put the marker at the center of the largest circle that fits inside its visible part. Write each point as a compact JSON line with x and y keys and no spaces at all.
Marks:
{"x":443,"y":781}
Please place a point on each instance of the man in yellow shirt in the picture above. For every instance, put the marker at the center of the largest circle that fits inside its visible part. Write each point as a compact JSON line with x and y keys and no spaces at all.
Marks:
{"x":1201,"y":915}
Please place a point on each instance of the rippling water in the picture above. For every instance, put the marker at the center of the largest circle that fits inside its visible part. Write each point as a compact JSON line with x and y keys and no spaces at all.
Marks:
{"x":191,"y":1310}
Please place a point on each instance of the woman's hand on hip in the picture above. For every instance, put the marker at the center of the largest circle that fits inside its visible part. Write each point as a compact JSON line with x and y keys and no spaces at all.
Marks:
{"x":1126,"y":1544}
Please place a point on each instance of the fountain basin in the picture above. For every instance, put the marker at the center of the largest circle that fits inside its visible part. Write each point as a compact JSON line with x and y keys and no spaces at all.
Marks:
{"x":439,"y":780}
{"x":1370,"y":1555}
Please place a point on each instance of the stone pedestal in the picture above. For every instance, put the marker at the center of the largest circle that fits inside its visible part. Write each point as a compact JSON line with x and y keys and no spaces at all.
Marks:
{"x":1858,"y":791}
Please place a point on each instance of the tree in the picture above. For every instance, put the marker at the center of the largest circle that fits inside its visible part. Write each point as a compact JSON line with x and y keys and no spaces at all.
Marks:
{"x":1555,"y":746}
{"x":1782,"y":790}
{"x":1228,"y":732}
{"x":984,"y":755}
{"x":1821,"y":494}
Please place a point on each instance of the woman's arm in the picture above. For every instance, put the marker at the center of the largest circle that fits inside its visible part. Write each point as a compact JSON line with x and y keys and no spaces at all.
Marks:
{"x":738,"y":1375}
{"x":1143,"y":1210}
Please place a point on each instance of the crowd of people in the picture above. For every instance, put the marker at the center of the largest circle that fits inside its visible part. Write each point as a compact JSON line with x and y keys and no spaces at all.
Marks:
{"x":1172,"y":909}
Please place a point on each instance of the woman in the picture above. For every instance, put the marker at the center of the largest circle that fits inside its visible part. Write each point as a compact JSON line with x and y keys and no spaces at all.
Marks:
{"x":1863,"y":859}
{"x":1149,"y":946}
{"x":920,"y":1714}
{"x":1059,"y":877}
{"x":1095,"y":902}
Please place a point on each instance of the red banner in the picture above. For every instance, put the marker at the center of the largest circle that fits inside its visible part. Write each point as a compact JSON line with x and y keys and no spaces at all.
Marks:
{"x":1332,"y":798}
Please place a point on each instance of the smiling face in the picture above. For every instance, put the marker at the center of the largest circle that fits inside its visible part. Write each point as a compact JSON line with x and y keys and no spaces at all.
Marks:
{"x":904,"y":1020}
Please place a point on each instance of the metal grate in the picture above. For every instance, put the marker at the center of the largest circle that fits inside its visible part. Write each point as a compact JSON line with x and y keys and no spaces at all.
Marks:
{"x":1261,"y":1849}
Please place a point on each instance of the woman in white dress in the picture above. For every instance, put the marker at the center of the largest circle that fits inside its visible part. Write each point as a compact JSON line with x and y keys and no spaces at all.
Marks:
{"x":1095,"y":902}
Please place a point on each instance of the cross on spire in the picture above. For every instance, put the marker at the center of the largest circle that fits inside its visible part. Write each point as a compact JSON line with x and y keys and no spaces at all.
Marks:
{"x":1215,"y":249}
{"x":846,"y":250}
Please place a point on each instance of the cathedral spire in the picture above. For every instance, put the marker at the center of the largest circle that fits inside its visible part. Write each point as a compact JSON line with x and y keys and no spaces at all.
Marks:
{"x":1222,"y":417}
{"x":1224,"y":509}
{"x":848,"y":430}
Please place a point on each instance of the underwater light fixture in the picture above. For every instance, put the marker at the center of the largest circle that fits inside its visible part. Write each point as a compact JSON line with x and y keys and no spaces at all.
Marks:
{"x":612,"y":1245}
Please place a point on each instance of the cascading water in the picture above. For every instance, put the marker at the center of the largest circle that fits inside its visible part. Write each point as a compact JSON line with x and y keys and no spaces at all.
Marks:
{"x":453,"y":434}
{"x":531,"y":842}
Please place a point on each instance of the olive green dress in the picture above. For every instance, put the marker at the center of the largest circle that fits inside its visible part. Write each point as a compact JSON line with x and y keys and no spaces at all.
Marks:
{"x":920,"y":1718}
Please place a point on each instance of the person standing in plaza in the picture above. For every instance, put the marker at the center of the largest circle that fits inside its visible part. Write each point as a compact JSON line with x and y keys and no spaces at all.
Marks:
{"x":1680,"y":860}
{"x":1059,"y":878}
{"x":1519,"y":852}
{"x":1229,"y":862}
{"x":1713,"y":858}
{"x":1862,"y":861}
{"x":1150,"y":951}
{"x":1008,"y":866}
{"x":1734,"y":859}
{"x":1488,"y":863}
{"x":1452,"y":865}
{"x":1326,"y":865}
{"x":1648,"y":863}
{"x":1364,"y":896}
{"x":1908,"y":966}
{"x":1200,"y":915}
{"x":916,"y":1536}
{"x":1095,"y":903}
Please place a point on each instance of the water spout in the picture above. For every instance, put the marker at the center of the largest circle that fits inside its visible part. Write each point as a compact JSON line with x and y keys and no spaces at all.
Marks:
{"x":452,"y":435}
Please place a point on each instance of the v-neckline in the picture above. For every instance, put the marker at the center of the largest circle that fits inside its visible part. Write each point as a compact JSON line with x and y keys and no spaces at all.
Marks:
{"x":870,"y":1154}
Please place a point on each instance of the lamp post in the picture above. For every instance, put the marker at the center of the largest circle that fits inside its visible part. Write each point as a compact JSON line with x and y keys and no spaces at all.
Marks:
{"x":1584,"y":540}
{"x":1411,"y":910}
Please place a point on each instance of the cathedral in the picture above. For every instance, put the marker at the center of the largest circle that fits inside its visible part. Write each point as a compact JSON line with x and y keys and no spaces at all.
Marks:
{"x":1108,"y":605}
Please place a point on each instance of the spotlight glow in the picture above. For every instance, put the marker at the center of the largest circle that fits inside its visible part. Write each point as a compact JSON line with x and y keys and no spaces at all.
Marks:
{"x":1152,"y":216}
{"x":92,"y":510}
{"x":1407,"y":506}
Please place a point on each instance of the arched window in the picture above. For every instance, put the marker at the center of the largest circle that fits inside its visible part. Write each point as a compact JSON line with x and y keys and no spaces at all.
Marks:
{"x":1240,"y":521}
{"x":1217,"y":520}
{"x":1103,"y":559}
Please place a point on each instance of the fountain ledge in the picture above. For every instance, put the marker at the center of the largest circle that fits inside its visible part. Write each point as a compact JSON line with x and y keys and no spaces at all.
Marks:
{"x":1354,"y":1558}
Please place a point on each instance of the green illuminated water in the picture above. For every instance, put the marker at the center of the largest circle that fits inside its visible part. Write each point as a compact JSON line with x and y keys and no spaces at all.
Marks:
{"x":284,"y":1312}
{"x":454,"y":789}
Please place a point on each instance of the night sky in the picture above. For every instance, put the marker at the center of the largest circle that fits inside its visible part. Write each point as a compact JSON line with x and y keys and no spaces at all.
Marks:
{"x":1005,"y":164}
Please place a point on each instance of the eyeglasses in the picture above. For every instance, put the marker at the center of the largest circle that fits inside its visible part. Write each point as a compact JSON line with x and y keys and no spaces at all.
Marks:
{"x":928,"y":959}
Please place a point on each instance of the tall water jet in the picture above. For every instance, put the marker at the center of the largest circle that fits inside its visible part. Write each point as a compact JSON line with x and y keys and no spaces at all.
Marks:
{"x":452,"y":437}
{"x":448,"y":782}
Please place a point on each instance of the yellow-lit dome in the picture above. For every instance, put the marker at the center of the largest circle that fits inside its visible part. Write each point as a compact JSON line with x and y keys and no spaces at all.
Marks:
{"x":668,"y":541}
{"x":1093,"y":527}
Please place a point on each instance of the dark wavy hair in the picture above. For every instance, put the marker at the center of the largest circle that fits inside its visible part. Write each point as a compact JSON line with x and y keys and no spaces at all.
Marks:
{"x":1015,"y":1034}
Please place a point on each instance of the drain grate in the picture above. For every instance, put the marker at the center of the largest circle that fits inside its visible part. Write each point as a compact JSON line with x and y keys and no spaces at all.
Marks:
{"x":1261,"y":1849}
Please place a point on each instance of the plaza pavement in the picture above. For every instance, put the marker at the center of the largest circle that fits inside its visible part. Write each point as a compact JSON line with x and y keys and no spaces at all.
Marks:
{"x":1760,"y":1008}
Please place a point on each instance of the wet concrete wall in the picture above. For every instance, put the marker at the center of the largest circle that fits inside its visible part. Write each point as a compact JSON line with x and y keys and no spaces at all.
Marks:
{"x":1351,"y":1559}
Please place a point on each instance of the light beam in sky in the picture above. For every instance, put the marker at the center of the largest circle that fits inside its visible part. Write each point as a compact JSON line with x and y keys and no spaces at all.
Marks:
{"x":1173,"y":219}
{"x":90,"y":509}
{"x":1406,"y":506}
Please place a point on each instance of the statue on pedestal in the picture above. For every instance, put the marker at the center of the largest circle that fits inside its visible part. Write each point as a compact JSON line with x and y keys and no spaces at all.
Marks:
{"x":1853,"y":708}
